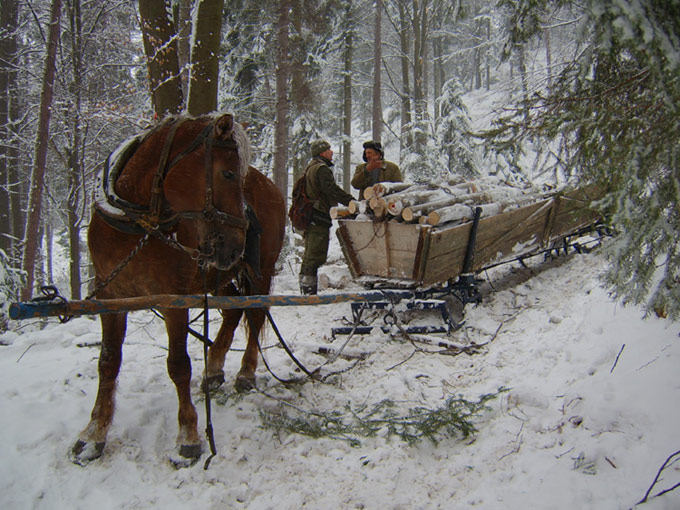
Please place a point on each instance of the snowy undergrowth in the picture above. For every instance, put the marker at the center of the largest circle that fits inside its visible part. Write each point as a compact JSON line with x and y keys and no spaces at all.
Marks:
{"x":588,"y":417}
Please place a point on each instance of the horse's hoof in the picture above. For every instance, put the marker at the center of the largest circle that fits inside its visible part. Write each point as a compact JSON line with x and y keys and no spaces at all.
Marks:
{"x":212,"y":383}
{"x":188,"y":455}
{"x":244,"y":383}
{"x":84,"y":452}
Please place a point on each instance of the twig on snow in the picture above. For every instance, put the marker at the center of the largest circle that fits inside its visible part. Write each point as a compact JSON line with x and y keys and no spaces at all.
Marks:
{"x":22,"y":354}
{"x":672,"y":459}
{"x":518,"y":443}
{"x":617,"y":359}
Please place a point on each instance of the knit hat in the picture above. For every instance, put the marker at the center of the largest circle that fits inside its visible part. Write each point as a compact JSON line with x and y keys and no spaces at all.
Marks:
{"x":376,"y":146}
{"x":319,"y":146}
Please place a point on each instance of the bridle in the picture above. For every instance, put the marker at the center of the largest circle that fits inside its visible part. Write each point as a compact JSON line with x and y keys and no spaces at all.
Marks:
{"x":151,"y":220}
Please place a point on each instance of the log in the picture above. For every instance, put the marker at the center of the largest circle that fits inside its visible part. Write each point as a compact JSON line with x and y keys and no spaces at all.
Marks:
{"x":33,"y":309}
{"x":357,"y":206}
{"x":385,"y":188}
{"x":380,"y":209}
{"x":409,"y":212}
{"x":459,"y":211}
{"x":395,"y":206}
{"x":340,"y":211}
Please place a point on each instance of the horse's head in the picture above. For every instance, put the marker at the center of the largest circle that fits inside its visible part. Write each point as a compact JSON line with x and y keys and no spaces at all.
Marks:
{"x":204,"y":187}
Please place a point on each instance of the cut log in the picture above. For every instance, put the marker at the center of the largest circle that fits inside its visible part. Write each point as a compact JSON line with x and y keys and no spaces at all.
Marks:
{"x":357,"y":206}
{"x":380,"y":209}
{"x":395,"y":206}
{"x":385,"y":188}
{"x":340,"y":211}
{"x":459,"y":211}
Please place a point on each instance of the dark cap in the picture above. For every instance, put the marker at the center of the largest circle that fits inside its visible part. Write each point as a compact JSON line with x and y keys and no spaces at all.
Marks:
{"x":376,"y":146}
{"x":319,"y":146}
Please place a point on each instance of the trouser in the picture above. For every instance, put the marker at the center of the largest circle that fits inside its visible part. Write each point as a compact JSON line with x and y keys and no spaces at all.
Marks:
{"x":317,"y":238}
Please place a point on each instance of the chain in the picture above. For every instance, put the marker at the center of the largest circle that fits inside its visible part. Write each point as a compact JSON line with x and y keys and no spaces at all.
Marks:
{"x":120,"y":266}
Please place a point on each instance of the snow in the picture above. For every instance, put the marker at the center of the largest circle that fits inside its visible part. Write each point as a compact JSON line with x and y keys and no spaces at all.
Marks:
{"x":589,"y":416}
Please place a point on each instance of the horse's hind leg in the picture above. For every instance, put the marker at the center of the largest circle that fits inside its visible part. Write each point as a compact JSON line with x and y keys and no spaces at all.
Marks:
{"x":179,"y":368}
{"x":92,"y":439}
{"x":214,"y":375}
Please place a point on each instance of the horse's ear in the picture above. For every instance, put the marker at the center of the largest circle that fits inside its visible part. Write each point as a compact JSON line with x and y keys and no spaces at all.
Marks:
{"x":223,"y":126}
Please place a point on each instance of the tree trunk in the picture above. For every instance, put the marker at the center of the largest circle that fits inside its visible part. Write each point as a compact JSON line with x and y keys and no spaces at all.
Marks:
{"x":182,"y":17}
{"x":74,"y":152}
{"x":419,"y":46}
{"x":488,"y":54}
{"x":406,"y":119}
{"x":204,"y":76}
{"x":377,"y":82}
{"x":42,"y":138}
{"x":548,"y":55}
{"x":347,"y":100}
{"x":9,"y":15}
{"x":282,"y":106}
{"x":160,"y":46}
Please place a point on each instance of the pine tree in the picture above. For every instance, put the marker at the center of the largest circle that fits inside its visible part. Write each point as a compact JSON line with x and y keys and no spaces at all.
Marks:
{"x":615,"y":107}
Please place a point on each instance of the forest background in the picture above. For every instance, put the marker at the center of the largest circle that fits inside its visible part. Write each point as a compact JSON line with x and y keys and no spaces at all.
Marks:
{"x":587,"y":91}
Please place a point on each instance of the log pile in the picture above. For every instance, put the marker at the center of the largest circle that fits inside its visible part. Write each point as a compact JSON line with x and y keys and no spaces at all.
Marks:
{"x":437,"y":205}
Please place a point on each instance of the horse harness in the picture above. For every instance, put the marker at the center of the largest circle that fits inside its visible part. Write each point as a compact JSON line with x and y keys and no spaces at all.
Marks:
{"x":155,"y":221}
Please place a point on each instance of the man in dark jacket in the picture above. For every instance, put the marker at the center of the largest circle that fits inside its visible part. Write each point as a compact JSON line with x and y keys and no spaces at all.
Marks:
{"x":375,"y":169}
{"x":325,"y":193}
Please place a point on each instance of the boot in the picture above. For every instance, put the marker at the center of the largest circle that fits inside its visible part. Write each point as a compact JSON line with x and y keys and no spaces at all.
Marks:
{"x":307,"y":284}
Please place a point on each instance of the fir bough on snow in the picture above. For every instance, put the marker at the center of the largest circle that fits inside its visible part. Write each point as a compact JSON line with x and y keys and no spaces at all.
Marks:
{"x":454,"y":418}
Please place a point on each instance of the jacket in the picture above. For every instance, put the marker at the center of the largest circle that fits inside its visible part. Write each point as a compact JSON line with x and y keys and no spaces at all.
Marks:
{"x":323,"y":190}
{"x":388,"y":172}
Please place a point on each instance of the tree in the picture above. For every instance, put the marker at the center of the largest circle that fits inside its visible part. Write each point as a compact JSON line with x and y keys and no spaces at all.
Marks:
{"x":9,"y":23}
{"x":204,"y":75}
{"x":348,"y":43}
{"x":160,"y":46}
{"x":282,"y":76}
{"x":615,"y":106}
{"x":377,"y":64}
{"x":42,"y":139}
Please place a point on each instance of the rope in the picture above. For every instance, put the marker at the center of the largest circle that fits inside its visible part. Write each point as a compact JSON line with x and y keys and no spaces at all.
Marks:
{"x":206,"y":387}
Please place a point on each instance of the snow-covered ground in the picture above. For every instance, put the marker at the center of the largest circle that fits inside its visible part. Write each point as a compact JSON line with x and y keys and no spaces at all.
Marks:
{"x":591,"y":411}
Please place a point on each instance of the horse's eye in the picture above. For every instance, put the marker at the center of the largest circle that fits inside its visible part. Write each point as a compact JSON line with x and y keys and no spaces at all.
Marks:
{"x":228,"y":175}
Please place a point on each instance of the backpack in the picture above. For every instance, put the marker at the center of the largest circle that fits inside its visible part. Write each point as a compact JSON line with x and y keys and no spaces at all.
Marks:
{"x":300,"y":212}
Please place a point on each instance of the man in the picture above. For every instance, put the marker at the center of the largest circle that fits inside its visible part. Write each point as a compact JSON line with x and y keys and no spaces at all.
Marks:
{"x":325,"y":193}
{"x":375,"y":169}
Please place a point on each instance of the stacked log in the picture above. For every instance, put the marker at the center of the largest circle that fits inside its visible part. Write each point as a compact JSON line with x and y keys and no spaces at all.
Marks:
{"x":436,"y":205}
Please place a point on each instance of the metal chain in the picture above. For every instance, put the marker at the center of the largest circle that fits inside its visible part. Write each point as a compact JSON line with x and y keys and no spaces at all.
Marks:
{"x":120,"y":267}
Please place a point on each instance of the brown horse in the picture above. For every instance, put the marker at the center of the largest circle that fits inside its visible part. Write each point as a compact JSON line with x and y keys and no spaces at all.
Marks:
{"x":189,"y":188}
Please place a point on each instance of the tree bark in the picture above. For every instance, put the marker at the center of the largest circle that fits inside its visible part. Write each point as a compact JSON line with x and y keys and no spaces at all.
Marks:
{"x":74,"y":152}
{"x":282,"y":106}
{"x":182,"y":17}
{"x":42,"y":138}
{"x":377,"y":82}
{"x":204,"y":76}
{"x":9,"y":19}
{"x":347,"y":100}
{"x":160,"y":46}
{"x":406,"y":118}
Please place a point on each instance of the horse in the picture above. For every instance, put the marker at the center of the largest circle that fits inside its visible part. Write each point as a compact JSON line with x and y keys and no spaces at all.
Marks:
{"x":195,"y":214}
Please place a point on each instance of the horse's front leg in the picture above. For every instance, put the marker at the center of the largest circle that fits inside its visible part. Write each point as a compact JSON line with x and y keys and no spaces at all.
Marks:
{"x":179,"y":368}
{"x":214,"y":375}
{"x":245,"y":379}
{"x":92,"y":439}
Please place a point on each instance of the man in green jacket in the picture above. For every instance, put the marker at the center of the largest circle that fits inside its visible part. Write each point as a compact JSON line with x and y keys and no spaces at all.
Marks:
{"x":375,"y":169}
{"x":325,"y":193}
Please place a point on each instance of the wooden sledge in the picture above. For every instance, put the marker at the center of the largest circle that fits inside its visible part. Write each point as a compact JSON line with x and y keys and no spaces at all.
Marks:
{"x":424,"y":255}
